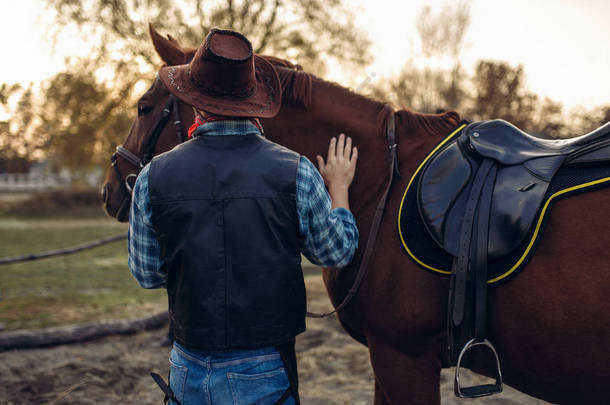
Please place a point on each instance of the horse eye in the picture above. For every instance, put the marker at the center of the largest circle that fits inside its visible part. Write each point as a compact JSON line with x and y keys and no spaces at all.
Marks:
{"x":143,"y":109}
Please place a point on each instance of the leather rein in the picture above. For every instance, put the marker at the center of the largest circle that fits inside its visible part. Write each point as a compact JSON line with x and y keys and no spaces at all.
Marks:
{"x":173,"y":104}
{"x":370,"y":243}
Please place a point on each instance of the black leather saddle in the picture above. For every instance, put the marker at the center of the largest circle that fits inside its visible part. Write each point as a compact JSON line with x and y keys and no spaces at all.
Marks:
{"x":481,"y":198}
{"x":524,"y":168}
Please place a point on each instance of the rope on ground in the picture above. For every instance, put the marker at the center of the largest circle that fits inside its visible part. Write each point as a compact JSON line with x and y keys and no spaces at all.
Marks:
{"x":66,"y":251}
{"x":23,"y":339}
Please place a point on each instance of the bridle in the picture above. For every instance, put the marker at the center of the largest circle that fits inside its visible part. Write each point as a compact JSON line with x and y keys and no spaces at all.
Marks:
{"x":173,"y":104}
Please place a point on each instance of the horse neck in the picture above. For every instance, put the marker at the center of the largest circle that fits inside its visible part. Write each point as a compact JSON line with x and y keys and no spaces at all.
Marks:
{"x":332,"y":110}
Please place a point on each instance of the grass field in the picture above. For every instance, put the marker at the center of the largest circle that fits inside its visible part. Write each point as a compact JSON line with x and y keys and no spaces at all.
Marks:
{"x":90,"y":285}
{"x":86,"y":286}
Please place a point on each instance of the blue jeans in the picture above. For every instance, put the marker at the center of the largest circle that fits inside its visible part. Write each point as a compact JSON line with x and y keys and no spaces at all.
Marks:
{"x":242,"y":377}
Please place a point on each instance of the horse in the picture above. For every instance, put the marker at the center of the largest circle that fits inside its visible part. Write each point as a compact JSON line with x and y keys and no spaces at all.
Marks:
{"x":550,"y":323}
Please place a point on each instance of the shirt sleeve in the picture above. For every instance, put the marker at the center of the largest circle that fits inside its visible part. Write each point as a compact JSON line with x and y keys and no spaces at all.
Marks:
{"x":144,"y":252}
{"x":329,"y":237}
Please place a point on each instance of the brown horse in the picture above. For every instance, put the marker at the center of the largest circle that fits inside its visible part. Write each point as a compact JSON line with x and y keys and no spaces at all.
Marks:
{"x":550,"y":324}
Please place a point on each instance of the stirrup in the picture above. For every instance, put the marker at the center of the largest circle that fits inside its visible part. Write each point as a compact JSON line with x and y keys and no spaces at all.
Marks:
{"x":477,"y":390}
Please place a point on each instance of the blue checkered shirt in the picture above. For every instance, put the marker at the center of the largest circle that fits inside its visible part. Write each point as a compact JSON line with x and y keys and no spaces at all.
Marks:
{"x":328,"y":237}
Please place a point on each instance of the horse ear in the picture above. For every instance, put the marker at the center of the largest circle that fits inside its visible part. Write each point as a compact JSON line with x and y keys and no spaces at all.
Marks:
{"x":172,"y":40}
{"x":167,"y":48}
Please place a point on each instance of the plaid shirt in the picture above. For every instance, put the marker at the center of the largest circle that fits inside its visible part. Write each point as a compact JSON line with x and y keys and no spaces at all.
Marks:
{"x":328,"y":237}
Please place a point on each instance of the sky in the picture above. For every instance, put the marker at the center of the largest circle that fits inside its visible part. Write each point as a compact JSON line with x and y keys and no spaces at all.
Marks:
{"x":562,"y":44}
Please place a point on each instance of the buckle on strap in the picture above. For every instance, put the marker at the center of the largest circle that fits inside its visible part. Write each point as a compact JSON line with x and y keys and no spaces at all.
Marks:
{"x":477,"y":390}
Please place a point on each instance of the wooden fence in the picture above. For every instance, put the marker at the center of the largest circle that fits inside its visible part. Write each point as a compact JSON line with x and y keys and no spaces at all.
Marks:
{"x":16,"y":182}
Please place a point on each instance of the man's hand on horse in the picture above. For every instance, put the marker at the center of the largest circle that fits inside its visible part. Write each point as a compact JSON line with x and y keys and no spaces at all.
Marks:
{"x":338,"y":170}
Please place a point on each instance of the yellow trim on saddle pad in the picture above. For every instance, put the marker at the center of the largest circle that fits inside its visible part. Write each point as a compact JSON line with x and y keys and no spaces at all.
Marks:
{"x":534,"y":235}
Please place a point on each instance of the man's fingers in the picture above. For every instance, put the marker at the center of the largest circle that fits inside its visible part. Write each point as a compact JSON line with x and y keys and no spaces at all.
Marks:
{"x":348,"y":148}
{"x":320,"y":163}
{"x":332,"y":148}
{"x":340,"y":145}
{"x":352,"y":162}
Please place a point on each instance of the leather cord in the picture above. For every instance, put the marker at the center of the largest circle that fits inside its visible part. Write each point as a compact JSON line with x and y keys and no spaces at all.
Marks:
{"x":169,"y":394}
{"x":391,"y":135}
{"x":156,"y":132}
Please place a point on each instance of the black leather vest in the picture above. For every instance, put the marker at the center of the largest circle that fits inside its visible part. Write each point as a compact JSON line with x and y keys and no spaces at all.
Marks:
{"x":224,"y":209}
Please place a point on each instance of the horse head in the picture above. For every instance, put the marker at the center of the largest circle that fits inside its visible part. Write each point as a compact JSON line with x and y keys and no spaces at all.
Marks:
{"x":128,"y":160}
{"x":151,"y":133}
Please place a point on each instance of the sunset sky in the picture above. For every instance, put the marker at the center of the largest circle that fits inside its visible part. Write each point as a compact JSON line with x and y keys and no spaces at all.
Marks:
{"x":562,"y":44}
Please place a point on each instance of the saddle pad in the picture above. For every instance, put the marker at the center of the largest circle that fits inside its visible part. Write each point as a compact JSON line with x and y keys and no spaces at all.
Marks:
{"x":425,"y":252}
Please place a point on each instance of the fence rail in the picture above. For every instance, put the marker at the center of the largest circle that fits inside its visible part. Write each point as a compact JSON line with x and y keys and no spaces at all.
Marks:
{"x":60,"y":252}
{"x":31,"y":182}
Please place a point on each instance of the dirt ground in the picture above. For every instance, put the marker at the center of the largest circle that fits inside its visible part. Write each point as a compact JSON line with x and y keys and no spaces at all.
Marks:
{"x":333,"y":368}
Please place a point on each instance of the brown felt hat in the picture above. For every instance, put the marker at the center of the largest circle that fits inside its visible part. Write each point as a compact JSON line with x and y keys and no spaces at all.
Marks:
{"x":226,"y":78}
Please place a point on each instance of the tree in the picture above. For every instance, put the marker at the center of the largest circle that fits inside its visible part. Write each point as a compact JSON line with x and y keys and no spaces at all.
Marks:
{"x":84,"y":119}
{"x":549,"y":121}
{"x":414,"y":88}
{"x":80,"y":115}
{"x":19,"y":145}
{"x":307,"y":31}
{"x":72,"y":117}
{"x":433,"y":87}
{"x":443,"y":34}
{"x":500,"y":92}
{"x":588,"y":120}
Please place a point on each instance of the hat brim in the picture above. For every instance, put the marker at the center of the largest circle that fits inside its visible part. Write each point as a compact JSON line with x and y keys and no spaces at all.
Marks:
{"x":265,"y":102}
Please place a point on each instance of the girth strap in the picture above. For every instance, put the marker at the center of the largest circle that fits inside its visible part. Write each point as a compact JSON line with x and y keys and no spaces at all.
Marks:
{"x":461,"y":263}
{"x":467,"y":314}
{"x":480,"y":265}
{"x":471,"y":263}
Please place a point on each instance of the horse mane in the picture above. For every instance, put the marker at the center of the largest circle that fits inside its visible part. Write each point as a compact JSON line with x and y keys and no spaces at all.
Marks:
{"x":297,"y":90}
{"x":296,"y":83}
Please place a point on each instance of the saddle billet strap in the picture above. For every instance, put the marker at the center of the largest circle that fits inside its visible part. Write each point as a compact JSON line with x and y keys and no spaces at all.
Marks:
{"x":468,"y":286}
{"x":169,"y":394}
{"x":368,"y":250}
{"x":480,"y":264}
{"x":475,"y":247}
{"x":461,"y":263}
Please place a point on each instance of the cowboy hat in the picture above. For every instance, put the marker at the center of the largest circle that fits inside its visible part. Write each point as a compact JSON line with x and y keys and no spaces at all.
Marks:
{"x":226,"y":78}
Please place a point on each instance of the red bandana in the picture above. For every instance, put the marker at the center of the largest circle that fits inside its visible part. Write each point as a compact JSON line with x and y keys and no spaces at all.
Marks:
{"x":211,"y":118}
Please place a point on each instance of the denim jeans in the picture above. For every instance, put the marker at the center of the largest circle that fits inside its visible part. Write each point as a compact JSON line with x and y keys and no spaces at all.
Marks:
{"x":243,"y":377}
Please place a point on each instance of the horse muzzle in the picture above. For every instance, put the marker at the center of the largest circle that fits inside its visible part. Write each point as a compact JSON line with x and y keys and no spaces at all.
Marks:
{"x":117,"y":208}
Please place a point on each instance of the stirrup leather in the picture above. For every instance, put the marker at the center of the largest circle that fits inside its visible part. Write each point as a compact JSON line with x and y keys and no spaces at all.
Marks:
{"x":477,"y":390}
